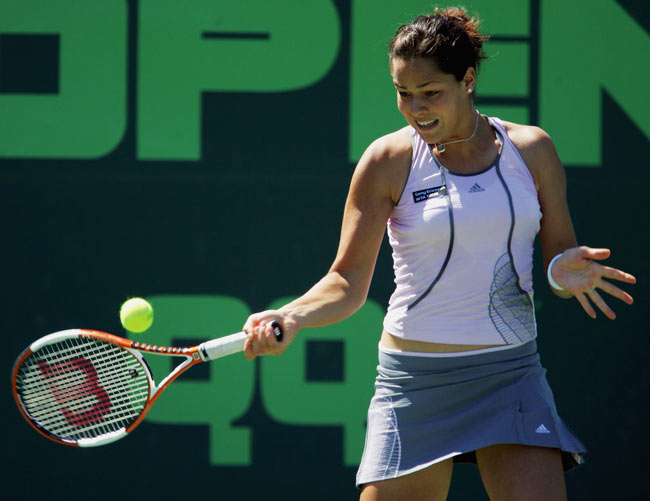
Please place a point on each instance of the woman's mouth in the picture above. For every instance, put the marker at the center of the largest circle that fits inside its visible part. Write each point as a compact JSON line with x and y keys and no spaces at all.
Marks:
{"x":426,"y":124}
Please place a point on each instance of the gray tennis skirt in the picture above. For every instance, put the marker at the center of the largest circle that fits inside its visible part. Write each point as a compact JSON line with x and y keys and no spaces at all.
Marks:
{"x":428,"y":409}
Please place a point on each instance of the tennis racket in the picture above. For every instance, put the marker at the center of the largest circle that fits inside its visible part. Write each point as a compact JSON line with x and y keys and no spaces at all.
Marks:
{"x":87,"y":388}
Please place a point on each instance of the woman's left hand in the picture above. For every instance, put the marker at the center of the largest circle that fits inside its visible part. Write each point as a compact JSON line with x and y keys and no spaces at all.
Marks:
{"x":579,"y":274}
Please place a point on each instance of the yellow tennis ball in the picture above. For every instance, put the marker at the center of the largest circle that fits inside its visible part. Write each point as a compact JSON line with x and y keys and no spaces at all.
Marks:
{"x":136,"y":315}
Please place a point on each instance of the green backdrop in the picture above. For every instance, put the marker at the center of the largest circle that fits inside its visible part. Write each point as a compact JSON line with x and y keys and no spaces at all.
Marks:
{"x":198,"y":153}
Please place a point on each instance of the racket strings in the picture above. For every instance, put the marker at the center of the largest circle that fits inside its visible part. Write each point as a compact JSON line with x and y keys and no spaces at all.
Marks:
{"x":70,"y":420}
{"x":75,"y":380}
{"x":75,"y":383}
{"x":52,"y":412}
{"x":74,"y":386}
{"x":82,"y":388}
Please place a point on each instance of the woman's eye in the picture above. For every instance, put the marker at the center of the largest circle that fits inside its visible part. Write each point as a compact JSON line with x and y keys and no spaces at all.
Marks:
{"x":431,"y":93}
{"x":403,"y":94}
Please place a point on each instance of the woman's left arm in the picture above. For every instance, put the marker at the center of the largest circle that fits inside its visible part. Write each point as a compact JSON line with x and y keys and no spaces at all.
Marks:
{"x":576,"y":270}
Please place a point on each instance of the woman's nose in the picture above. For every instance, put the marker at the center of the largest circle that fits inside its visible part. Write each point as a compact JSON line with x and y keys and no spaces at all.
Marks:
{"x":418,"y":105}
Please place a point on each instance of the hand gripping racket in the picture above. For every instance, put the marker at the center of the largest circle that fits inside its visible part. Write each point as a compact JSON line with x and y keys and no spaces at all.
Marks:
{"x":87,"y":388}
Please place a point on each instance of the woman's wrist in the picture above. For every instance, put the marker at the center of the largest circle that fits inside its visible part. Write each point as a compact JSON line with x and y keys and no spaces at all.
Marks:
{"x":549,"y":274}
{"x":290,"y":316}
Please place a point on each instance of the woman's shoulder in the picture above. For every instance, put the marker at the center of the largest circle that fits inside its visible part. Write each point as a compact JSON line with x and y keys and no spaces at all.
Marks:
{"x":386,"y":162}
{"x":529,"y":138}
{"x":389,"y":155}
{"x":537,"y":150}
{"x":392,"y":147}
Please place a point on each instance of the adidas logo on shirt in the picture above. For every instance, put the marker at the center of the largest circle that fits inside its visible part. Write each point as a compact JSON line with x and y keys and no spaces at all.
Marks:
{"x":542,"y":429}
{"x":476,"y":188}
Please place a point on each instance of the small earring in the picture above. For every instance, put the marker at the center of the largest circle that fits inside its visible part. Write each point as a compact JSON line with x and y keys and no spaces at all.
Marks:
{"x":469,"y":91}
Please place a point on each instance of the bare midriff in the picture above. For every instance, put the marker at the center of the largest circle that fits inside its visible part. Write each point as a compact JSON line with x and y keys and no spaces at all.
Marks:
{"x":400,"y":344}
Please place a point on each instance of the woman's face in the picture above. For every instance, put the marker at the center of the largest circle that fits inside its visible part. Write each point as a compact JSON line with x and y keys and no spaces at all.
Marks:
{"x":434,"y":103}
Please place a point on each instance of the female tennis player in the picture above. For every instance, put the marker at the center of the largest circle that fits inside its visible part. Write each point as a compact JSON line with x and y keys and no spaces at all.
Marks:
{"x":463,"y":196}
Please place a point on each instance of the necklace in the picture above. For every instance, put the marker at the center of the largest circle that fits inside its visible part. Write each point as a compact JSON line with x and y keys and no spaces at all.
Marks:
{"x":442,"y":147}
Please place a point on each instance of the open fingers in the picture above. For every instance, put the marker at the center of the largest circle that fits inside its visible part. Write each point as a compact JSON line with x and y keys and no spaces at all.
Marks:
{"x":612,"y":290}
{"x":615,"y":274}
{"x":593,"y":253}
{"x":592,"y":298}
{"x":597,"y":299}
{"x":586,"y":304}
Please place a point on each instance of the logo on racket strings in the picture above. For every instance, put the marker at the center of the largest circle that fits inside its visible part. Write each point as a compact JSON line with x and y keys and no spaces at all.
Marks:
{"x":81,"y":391}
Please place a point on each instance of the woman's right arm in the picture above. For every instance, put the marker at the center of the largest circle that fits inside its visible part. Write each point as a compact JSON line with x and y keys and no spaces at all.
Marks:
{"x":375,"y":188}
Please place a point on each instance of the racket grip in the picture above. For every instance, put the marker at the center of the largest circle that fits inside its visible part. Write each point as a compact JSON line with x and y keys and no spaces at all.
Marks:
{"x":222,"y":346}
{"x":228,"y":345}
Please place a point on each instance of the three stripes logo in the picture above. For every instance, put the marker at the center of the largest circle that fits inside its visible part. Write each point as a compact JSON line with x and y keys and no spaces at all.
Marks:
{"x":476,"y":188}
{"x":542,"y":429}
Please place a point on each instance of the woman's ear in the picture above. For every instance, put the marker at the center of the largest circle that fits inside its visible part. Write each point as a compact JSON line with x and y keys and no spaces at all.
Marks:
{"x":469,"y":80}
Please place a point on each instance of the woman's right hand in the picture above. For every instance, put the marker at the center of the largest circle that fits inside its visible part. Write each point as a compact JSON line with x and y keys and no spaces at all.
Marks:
{"x":261,"y":338}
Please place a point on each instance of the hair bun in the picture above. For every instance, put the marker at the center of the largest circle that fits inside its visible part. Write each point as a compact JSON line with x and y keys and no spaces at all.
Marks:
{"x":469,"y":24}
{"x":449,"y":36}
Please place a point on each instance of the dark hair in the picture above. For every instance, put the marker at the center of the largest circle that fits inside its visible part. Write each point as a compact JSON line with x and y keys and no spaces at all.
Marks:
{"x":450,"y":37}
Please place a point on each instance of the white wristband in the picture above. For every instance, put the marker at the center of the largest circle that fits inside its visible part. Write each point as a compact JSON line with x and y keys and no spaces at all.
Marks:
{"x":549,"y":274}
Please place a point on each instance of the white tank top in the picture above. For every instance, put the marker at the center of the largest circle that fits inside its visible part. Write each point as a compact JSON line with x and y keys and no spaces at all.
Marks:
{"x":463,"y":251}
